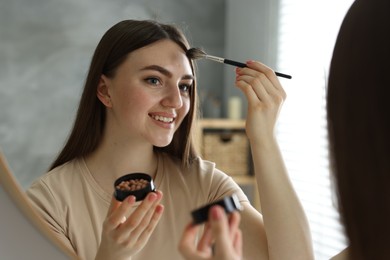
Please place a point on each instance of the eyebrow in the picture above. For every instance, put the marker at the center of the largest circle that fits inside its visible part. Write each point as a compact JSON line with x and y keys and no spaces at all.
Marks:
{"x":165,"y":71}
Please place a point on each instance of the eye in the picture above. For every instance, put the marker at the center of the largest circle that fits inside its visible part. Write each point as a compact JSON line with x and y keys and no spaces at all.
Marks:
{"x":153,"y":81}
{"x":185,"y":87}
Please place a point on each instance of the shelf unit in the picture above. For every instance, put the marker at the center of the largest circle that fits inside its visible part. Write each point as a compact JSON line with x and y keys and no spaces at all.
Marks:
{"x":246,"y":181}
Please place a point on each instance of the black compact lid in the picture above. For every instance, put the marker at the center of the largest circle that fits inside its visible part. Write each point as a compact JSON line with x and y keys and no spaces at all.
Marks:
{"x":229,"y":203}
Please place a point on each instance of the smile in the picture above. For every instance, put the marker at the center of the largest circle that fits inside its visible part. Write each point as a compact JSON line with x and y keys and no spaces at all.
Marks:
{"x":162,"y":118}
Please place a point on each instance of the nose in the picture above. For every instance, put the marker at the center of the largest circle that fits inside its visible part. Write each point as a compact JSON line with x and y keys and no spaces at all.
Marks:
{"x":173,"y":97}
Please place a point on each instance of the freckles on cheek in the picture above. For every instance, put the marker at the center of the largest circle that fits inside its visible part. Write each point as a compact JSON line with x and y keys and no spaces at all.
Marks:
{"x":136,"y":98}
{"x":130,"y":103}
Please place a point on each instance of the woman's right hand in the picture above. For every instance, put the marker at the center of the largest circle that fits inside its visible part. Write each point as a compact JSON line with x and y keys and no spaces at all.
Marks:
{"x":121,"y":237}
{"x":221,"y":239}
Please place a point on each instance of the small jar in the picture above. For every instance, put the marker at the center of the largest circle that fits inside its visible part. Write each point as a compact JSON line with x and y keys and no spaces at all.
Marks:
{"x":136,"y":184}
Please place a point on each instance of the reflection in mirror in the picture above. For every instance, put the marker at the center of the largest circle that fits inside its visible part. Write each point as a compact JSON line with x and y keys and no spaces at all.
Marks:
{"x":46,"y":48}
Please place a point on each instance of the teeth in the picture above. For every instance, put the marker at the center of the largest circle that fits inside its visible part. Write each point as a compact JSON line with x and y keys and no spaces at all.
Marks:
{"x":163,"y":119}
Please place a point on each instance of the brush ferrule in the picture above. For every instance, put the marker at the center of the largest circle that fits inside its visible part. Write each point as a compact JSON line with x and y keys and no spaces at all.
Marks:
{"x":215,"y":58}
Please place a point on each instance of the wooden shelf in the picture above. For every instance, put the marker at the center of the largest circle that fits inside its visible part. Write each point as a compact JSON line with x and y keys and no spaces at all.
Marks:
{"x":222,"y":123}
{"x":245,"y":180}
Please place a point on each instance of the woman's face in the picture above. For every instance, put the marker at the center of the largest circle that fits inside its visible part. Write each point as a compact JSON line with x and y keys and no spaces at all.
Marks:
{"x":148,"y":94}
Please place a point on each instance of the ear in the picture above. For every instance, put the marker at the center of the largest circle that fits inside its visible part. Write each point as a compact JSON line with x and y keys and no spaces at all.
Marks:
{"x":103,"y":93}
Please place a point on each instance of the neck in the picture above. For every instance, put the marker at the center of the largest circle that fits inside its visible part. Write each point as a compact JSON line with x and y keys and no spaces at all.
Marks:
{"x":111,"y":161}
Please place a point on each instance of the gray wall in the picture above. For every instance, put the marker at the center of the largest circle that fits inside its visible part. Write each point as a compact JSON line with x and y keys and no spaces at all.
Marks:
{"x":250,"y":33}
{"x":45,"y":50}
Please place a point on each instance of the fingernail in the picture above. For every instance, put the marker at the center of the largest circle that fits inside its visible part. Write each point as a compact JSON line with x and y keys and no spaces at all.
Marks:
{"x":159,"y":208}
{"x":215,"y":213}
{"x":131,"y":199}
{"x":152,"y":196}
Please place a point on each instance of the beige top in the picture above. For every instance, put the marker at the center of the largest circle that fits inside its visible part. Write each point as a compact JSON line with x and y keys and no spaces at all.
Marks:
{"x":75,"y":206}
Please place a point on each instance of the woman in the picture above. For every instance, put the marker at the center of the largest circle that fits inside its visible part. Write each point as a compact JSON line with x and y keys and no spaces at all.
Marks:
{"x":136,"y":114}
{"x":359,"y":127}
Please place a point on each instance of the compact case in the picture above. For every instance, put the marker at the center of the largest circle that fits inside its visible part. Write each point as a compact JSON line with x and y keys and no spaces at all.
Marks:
{"x":229,"y":203}
{"x":140,"y":194}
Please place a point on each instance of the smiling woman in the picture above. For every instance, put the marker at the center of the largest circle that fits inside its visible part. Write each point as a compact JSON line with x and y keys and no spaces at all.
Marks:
{"x":136,"y":114}
{"x":138,"y":89}
{"x":133,"y":104}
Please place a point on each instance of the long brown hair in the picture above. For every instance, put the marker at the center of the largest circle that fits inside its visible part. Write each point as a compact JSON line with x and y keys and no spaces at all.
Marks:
{"x":359,"y":127}
{"x":121,"y":39}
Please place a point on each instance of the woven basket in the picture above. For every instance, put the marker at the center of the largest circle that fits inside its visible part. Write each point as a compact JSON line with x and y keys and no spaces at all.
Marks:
{"x":228,"y":149}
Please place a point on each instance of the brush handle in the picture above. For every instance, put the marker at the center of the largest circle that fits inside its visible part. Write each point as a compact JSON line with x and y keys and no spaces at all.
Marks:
{"x":283,"y":75}
{"x":234,"y":63}
{"x":243,"y":65}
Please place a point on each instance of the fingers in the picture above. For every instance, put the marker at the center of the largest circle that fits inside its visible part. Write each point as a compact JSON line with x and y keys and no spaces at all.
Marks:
{"x":220,"y":226}
{"x":268,"y":72}
{"x":246,"y":84}
{"x":187,"y":246}
{"x":228,"y":236}
{"x":152,"y":223}
{"x":234,"y":223}
{"x":143,"y":219}
{"x":260,"y":80}
{"x":235,"y":232}
{"x":206,"y":240}
{"x":220,"y":231}
{"x":133,"y":233}
{"x":237,"y":242}
{"x":117,"y":211}
{"x":265,"y":97}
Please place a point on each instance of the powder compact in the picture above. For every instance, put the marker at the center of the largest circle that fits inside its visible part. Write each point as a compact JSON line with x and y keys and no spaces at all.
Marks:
{"x":229,"y":203}
{"x":136,"y":184}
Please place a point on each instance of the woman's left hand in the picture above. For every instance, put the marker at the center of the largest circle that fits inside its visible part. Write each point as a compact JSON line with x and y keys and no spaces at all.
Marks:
{"x":265,"y":97}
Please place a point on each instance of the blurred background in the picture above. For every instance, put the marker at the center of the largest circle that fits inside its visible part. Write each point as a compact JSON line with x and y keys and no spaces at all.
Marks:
{"x":46,"y":47}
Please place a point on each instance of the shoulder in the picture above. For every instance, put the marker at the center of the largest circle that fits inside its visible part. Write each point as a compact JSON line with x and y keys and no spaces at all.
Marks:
{"x":61,"y":173}
{"x":203,"y":166}
{"x":58,"y":179}
{"x":206,"y":174}
{"x":198,"y":166}
{"x":208,"y":170}
{"x":201,"y":177}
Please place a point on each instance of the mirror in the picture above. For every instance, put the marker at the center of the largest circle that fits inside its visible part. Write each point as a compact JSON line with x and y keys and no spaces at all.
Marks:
{"x":46,"y":48}
{"x":22,"y":230}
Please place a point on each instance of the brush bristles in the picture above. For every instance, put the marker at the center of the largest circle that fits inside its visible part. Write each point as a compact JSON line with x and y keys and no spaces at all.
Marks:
{"x":195,"y":53}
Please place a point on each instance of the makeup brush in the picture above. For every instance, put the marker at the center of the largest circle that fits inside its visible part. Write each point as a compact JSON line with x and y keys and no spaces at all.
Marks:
{"x":196,"y":53}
